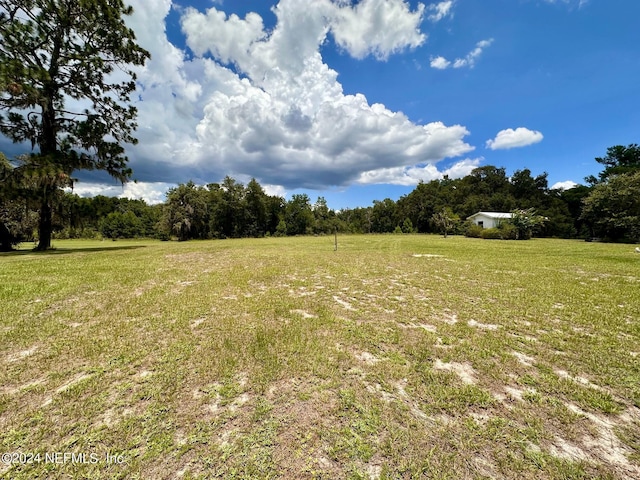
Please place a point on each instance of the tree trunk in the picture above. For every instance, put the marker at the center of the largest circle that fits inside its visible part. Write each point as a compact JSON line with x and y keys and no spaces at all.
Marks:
{"x":48,"y":150}
{"x":45,"y":226}
{"x":5,"y":239}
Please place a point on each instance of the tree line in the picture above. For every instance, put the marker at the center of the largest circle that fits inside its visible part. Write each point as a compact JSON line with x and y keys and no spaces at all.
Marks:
{"x":607,"y":208}
{"x":67,"y":49}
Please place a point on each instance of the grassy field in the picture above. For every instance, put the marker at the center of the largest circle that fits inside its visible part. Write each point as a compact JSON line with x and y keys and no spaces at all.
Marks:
{"x":399,"y":356}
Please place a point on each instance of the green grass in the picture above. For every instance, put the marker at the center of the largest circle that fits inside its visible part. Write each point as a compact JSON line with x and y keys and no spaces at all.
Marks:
{"x":400,"y":356}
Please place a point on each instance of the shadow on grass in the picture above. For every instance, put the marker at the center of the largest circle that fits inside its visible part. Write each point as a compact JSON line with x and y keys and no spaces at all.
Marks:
{"x":62,"y":251}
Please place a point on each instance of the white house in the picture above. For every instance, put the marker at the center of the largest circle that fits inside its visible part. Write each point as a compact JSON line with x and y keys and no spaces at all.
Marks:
{"x":489,"y":219}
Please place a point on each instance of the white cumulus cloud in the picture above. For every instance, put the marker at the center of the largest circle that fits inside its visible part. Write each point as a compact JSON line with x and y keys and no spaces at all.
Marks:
{"x":250,"y":102}
{"x":566,"y":185}
{"x":440,"y":10}
{"x":510,"y":138}
{"x":412,"y":175}
{"x":151,"y":192}
{"x":473,"y":55}
{"x":378,"y":27}
{"x":440,"y":63}
{"x":468,"y":60}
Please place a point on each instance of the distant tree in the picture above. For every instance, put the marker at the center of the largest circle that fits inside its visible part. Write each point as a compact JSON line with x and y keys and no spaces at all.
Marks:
{"x":384,"y":216}
{"x":256,"y":206}
{"x":324,"y":218}
{"x":407,"y":226}
{"x":356,"y":220}
{"x":281,"y":229}
{"x":619,"y":160}
{"x":299,"y":217}
{"x":185,"y":214}
{"x":526,"y":222}
{"x":56,"y":54}
{"x":28,"y":181}
{"x":17,"y":223}
{"x":612,"y":209}
{"x":573,"y":199}
{"x":420,"y":205}
{"x":121,"y":225}
{"x":529,"y":191}
{"x":275,"y":207}
{"x":232,"y":211}
{"x":484,"y":189}
{"x":7,"y":239}
{"x":445,"y":221}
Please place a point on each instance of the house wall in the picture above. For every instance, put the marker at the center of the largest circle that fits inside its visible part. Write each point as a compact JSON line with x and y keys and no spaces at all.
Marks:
{"x":487,"y":222}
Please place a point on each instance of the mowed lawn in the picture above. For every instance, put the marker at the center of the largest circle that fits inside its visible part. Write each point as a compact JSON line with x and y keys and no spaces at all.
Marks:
{"x":398,"y":356}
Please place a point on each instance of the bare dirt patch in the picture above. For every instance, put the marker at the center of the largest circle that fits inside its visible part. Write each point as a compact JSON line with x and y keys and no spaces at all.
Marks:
{"x":13,"y":390}
{"x":304,"y":314}
{"x":578,"y":379}
{"x":410,"y":402}
{"x":599,"y":443}
{"x":14,"y":357}
{"x":66,"y":386}
{"x":343,"y":303}
{"x":482,"y":326}
{"x":463,"y":370}
{"x":367,"y":358}
{"x":450,"y":319}
{"x":525,"y":360}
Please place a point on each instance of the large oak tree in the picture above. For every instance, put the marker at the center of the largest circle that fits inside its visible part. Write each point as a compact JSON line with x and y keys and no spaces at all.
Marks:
{"x":65,"y":84}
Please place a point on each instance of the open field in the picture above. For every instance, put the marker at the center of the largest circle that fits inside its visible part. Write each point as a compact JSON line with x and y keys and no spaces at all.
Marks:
{"x":399,"y":356}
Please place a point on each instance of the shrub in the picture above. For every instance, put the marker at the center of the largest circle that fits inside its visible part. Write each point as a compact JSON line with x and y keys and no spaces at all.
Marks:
{"x":491,"y":234}
{"x":281,"y":229}
{"x":407,"y":226}
{"x":508,"y":231}
{"x":474,"y":231}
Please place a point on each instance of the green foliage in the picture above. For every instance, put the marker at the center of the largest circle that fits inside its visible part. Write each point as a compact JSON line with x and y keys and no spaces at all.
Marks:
{"x":508,"y":231}
{"x":299,"y":217}
{"x":619,"y":160}
{"x":281,"y":229}
{"x":384,"y":216}
{"x":68,"y":233}
{"x":407,"y":226}
{"x":472,"y":230}
{"x":445,"y":221}
{"x":256,"y":207}
{"x":325,"y":220}
{"x":526,"y":222}
{"x":121,"y":225}
{"x":67,"y":49}
{"x":491,"y":233}
{"x":185,"y":214}
{"x":504,"y":231}
{"x":9,"y":216}
{"x":572,"y":199}
{"x":612,"y":209}
{"x":17,"y":223}
{"x":355,"y":220}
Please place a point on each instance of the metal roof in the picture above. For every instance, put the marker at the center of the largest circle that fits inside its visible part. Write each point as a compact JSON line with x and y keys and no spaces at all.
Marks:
{"x":492,"y":215}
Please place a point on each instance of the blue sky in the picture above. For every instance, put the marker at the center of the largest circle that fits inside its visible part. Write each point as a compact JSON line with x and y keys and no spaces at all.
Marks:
{"x":357,"y":101}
